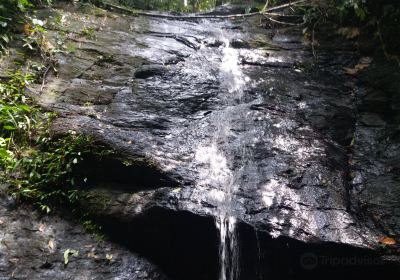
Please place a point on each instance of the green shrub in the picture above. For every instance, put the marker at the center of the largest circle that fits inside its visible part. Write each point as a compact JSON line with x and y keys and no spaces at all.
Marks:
{"x":37,"y":166}
{"x":11,"y":13}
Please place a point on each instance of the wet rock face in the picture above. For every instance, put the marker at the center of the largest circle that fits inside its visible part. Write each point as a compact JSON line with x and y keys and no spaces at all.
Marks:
{"x":32,"y":247}
{"x":208,"y":103}
{"x":375,"y":161}
{"x":148,"y":71}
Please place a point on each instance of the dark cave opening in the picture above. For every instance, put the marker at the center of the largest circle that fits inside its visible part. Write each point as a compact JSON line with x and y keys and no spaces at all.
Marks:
{"x":185,"y":246}
{"x":133,"y":175}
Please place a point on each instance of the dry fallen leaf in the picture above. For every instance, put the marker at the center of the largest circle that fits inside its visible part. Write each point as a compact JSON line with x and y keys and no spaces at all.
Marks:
{"x":109,"y":257}
{"x":349,"y":32}
{"x":51,"y":244}
{"x":366,"y":60}
{"x":68,"y":253}
{"x":350,"y":71}
{"x":13,"y":260}
{"x":363,"y":63}
{"x":387,"y":241}
{"x":27,"y":29}
{"x":92,"y":255}
{"x":42,"y":227}
{"x":47,"y":46}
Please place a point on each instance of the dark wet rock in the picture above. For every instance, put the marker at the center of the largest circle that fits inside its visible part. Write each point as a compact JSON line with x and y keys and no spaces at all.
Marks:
{"x":376,"y":156}
{"x":239,"y":44}
{"x":371,"y":120}
{"x":33,"y":246}
{"x":147,"y":71}
{"x":228,"y":9}
{"x":168,"y":118}
{"x":212,"y":43}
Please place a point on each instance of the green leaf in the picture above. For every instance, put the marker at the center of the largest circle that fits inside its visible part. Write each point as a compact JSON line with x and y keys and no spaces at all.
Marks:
{"x":46,"y":209}
{"x":9,"y":127}
{"x":4,"y":154}
{"x":361,"y":13}
{"x":25,"y":107}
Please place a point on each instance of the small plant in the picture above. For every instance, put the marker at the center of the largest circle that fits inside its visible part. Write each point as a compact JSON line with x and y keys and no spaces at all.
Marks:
{"x":11,"y":13}
{"x":345,"y":7}
{"x":4,"y":40}
{"x":16,"y":114}
{"x":88,"y":32}
{"x":70,"y":48}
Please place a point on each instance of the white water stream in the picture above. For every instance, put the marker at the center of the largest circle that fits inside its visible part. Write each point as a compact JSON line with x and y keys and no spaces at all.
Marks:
{"x":219,"y":172}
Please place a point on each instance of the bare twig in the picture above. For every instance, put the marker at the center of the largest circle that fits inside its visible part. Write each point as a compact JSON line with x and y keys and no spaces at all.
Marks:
{"x":44,"y":78}
{"x":280,"y":15}
{"x":313,"y":40}
{"x":283,"y":22}
{"x":283,"y":6}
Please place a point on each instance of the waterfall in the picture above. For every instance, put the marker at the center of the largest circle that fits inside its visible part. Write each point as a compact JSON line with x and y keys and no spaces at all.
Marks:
{"x":218,"y":172}
{"x":232,"y":80}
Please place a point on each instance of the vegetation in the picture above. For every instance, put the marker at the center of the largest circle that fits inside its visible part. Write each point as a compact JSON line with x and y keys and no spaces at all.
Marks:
{"x":37,"y":166}
{"x":377,"y":20}
{"x":10,"y":12}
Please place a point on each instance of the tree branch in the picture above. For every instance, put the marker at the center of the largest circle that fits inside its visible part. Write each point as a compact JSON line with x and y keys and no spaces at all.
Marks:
{"x":283,"y":22}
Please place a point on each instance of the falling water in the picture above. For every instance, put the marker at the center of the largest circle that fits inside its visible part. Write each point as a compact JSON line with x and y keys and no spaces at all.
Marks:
{"x":219,"y":174}
{"x":231,"y":79}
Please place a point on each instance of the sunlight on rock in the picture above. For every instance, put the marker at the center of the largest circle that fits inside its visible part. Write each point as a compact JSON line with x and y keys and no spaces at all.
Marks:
{"x":216,"y":171}
{"x":268,"y":191}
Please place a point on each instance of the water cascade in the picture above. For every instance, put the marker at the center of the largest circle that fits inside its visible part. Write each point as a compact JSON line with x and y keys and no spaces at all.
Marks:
{"x":218,"y":171}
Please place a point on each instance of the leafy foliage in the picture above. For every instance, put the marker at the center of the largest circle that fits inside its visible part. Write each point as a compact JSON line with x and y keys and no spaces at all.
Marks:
{"x":347,"y":7}
{"x":38,"y":166}
{"x":377,"y":20}
{"x":11,"y":13}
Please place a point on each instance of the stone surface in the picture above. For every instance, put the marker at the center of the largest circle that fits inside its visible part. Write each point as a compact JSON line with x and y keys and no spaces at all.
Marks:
{"x":32,"y":247}
{"x":376,"y":156}
{"x":292,"y":124}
